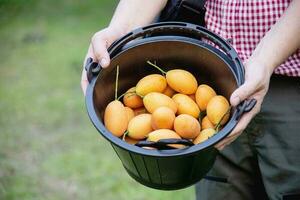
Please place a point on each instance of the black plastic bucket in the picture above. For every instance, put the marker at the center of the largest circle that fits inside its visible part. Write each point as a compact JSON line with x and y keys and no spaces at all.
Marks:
{"x":171,"y":45}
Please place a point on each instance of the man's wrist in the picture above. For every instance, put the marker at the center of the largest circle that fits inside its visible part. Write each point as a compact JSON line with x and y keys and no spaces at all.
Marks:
{"x":260,"y":61}
{"x":262,"y":57}
{"x":117,"y":32}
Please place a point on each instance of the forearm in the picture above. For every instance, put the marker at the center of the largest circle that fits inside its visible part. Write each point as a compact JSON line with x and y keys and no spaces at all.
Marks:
{"x":282,"y":40}
{"x":131,"y":14}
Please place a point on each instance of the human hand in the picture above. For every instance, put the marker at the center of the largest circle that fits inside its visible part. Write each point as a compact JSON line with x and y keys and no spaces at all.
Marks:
{"x":257,"y":78}
{"x":98,"y":50}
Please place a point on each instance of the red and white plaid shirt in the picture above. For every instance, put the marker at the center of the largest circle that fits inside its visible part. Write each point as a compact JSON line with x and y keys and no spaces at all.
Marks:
{"x":245,"y":22}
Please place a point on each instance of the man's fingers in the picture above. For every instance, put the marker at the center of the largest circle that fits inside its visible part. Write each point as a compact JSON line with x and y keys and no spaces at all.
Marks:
{"x":98,"y":52}
{"x":242,"y":93}
{"x":99,"y":46}
{"x":84,"y":81}
{"x":240,"y":127}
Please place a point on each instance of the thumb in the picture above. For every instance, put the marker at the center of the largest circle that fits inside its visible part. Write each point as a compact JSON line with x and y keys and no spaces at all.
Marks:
{"x":100,"y":51}
{"x":242,"y":93}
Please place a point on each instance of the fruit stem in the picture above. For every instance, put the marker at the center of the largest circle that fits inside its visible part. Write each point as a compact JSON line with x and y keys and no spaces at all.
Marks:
{"x":134,"y":93}
{"x":125,"y":94}
{"x":218,"y":125}
{"x":157,"y":67}
{"x":117,"y":80}
{"x":124,"y":135}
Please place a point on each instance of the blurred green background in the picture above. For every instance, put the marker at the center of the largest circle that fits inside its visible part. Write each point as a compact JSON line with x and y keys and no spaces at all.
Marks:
{"x":48,"y":147}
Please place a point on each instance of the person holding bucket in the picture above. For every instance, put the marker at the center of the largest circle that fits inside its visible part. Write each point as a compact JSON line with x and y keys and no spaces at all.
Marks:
{"x":263,"y":162}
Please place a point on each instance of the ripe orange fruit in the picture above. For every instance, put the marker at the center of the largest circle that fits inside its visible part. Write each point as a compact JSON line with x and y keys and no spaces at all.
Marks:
{"x":140,"y":126}
{"x":154,"y":100}
{"x":182,"y":81}
{"x":163,"y":118}
{"x":129,"y":113}
{"x":154,"y":136}
{"x":132,"y":100}
{"x":218,"y":107}
{"x":151,"y":83}
{"x":187,"y":126}
{"x":204,"y":135}
{"x":205,"y":123}
{"x":186,"y":105}
{"x":203,"y":95}
{"x":115,"y":118}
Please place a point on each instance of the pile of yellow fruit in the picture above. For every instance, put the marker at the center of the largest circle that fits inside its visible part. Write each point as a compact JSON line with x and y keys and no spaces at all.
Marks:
{"x":170,"y":105}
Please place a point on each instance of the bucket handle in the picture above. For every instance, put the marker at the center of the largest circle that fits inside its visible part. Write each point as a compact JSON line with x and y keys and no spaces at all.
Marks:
{"x":173,"y":28}
{"x":177,"y":28}
{"x":197,"y":32}
{"x":92,"y":69}
{"x":163,"y":144}
{"x":244,"y":107}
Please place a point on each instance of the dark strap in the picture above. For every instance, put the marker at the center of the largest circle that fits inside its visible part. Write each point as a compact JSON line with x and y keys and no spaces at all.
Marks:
{"x":170,"y":11}
{"x":191,"y":11}
{"x":197,"y":4}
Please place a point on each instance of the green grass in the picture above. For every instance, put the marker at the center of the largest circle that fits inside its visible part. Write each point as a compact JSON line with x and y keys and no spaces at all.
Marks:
{"x":48,"y":147}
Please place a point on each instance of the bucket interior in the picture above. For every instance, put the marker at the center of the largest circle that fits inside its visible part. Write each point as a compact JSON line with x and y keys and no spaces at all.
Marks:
{"x":209,"y":66}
